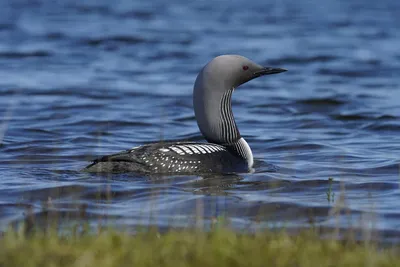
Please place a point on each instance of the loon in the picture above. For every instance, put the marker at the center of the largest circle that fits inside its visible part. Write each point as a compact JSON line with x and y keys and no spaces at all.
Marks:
{"x":226,"y":152}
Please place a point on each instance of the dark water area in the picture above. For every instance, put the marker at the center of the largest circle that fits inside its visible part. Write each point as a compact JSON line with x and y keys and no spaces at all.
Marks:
{"x":79,"y":79}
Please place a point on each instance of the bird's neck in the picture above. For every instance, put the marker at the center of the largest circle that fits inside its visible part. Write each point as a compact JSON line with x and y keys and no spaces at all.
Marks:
{"x":213,"y":111}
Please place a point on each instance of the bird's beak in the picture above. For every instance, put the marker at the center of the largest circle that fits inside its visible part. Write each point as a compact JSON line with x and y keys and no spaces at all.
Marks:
{"x":268,"y":70}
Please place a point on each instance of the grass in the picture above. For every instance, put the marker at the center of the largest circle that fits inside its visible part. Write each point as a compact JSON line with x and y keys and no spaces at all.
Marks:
{"x":330,"y":195}
{"x":220,"y":247}
{"x":45,"y":244}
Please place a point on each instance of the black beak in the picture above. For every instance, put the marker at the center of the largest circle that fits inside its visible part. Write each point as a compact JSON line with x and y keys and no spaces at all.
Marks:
{"x":268,"y":70}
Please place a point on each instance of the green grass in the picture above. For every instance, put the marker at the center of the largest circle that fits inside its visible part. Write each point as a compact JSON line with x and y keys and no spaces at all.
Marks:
{"x":220,"y":247}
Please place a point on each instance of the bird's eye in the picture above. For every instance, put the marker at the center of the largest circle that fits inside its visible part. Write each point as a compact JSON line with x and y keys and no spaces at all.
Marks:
{"x":245,"y":67}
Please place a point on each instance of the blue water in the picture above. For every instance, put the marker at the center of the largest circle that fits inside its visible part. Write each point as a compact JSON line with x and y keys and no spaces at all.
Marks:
{"x":79,"y":79}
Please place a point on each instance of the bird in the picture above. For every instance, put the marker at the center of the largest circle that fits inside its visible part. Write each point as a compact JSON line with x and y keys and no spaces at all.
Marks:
{"x":226,"y":151}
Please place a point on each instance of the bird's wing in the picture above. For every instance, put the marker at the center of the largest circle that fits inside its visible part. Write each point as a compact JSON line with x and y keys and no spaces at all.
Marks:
{"x":126,"y":156}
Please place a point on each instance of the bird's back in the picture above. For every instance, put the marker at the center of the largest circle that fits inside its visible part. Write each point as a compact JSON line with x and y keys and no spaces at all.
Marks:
{"x":173,"y":158}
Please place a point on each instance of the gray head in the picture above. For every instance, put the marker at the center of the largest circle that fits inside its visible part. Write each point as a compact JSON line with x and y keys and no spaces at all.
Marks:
{"x":234,"y":70}
{"x":212,"y":94}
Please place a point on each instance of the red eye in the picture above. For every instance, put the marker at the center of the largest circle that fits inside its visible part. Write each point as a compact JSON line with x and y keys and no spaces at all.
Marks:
{"x":245,"y":67}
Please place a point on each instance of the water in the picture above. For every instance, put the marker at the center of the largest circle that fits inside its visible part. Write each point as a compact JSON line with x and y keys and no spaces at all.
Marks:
{"x":80,"y":79}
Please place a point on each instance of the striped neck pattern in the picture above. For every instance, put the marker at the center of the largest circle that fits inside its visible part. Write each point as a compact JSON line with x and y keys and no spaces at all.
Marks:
{"x":230,"y":133}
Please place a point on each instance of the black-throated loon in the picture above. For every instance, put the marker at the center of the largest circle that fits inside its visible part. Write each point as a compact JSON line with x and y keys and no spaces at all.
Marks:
{"x":226,"y":152}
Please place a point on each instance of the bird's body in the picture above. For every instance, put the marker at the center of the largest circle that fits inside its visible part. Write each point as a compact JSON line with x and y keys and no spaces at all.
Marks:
{"x":172,"y":157}
{"x":226,"y":152}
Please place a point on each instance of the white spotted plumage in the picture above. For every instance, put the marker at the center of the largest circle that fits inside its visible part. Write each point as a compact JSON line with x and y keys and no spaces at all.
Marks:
{"x":202,"y":151}
{"x":195,"y":149}
{"x":168,"y":157}
{"x":187,"y":150}
{"x":177,"y":150}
